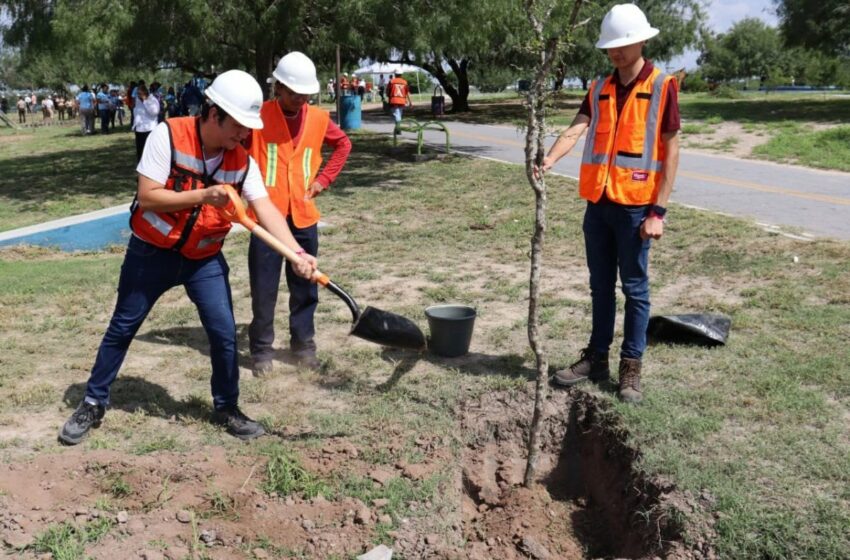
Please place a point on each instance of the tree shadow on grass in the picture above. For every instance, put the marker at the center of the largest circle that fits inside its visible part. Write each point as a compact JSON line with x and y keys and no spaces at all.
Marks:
{"x":131,"y":393}
{"x":57,"y":176}
{"x":473,"y":364}
{"x":196,"y":337}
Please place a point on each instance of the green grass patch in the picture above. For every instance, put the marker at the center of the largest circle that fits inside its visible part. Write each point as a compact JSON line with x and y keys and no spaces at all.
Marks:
{"x":286,"y":476}
{"x":827,"y":149}
{"x":67,"y":541}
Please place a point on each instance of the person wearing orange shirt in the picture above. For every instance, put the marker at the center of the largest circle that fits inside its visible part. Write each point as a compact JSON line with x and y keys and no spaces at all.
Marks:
{"x":288,"y":150}
{"x":398,"y":93}
{"x":630,"y":159}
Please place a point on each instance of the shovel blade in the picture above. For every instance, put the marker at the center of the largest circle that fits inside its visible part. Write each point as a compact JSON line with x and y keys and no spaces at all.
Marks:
{"x":388,"y":329}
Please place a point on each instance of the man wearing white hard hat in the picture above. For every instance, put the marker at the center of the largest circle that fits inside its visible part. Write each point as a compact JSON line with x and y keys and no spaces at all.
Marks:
{"x":628,"y":166}
{"x":177,"y":239}
{"x":289,"y":151}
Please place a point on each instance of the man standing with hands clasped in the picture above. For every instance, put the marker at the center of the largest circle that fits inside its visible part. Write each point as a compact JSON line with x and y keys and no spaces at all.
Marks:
{"x":629,"y":163}
{"x":288,"y":150}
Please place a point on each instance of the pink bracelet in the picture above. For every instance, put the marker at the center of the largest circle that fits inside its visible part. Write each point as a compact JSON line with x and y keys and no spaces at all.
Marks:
{"x":300,"y":251}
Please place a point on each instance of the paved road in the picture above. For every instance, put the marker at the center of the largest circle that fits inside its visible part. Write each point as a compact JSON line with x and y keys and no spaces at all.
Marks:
{"x":795,"y":201}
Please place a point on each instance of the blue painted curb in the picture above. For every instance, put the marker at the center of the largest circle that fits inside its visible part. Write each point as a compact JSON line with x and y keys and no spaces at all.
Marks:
{"x":87,"y":232}
{"x":93,"y":231}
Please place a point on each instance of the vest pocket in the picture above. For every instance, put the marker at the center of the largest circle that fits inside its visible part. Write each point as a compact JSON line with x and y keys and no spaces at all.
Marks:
{"x":600,"y":140}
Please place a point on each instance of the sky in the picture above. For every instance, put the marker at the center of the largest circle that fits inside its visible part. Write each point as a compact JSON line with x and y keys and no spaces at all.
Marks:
{"x":723,"y":14}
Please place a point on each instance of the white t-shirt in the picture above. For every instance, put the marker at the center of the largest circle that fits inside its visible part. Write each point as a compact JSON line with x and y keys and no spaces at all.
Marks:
{"x":146,"y":114}
{"x":156,"y":164}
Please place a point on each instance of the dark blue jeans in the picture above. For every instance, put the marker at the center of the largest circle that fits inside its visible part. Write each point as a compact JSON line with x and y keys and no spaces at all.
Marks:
{"x":264,"y":266}
{"x":147,"y":273}
{"x":612,"y":242}
{"x":104,"y":120}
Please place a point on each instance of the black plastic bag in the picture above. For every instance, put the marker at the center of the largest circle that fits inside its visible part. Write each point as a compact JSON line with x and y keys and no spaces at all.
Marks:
{"x":703,"y":329}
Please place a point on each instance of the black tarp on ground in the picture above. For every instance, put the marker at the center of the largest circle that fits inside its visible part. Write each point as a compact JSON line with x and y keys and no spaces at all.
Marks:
{"x":703,"y":329}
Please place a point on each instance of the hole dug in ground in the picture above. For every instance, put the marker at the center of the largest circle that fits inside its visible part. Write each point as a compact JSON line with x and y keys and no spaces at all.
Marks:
{"x":591,"y":500}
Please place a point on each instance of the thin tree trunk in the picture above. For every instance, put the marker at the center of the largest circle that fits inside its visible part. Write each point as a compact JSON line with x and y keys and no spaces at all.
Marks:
{"x":534,"y":152}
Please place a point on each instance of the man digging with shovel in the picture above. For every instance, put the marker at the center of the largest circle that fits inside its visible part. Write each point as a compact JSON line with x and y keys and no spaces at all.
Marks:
{"x":177,"y":238}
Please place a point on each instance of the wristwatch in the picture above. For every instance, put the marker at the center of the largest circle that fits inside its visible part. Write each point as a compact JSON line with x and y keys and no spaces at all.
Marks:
{"x":656,"y":210}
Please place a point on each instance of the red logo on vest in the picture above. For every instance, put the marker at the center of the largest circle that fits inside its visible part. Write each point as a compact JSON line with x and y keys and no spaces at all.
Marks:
{"x":640,"y":175}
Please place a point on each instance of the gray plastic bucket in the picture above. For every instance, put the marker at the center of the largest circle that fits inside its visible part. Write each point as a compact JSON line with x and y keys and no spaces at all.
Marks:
{"x":451,"y":329}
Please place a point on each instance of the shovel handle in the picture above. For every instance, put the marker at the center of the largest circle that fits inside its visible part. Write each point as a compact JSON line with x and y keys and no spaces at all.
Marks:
{"x":235,"y":212}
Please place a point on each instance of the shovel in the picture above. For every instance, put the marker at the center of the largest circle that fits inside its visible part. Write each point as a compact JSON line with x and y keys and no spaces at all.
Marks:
{"x":374,"y":325}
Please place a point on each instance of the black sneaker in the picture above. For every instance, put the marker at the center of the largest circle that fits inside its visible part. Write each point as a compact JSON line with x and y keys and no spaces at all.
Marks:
{"x":86,"y":417}
{"x":237,"y":423}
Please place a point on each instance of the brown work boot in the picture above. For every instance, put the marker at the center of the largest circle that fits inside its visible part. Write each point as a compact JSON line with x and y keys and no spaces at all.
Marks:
{"x":590,"y":365}
{"x":630,"y":380}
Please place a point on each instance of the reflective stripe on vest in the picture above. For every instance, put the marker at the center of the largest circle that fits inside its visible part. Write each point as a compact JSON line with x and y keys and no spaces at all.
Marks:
{"x":588,"y":156}
{"x":271,"y":165}
{"x":153,"y":219}
{"x":189,"y":162}
{"x":228,"y":177}
{"x":305,"y":165}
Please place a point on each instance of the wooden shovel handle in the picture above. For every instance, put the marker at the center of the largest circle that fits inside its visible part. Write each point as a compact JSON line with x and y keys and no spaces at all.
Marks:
{"x":235,"y":212}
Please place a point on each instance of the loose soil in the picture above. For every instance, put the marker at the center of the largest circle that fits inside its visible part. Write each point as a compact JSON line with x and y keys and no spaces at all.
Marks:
{"x":591,"y":499}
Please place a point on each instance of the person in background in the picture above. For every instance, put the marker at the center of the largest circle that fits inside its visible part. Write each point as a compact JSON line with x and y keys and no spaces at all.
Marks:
{"x":60,"y":106}
{"x":331,"y":90}
{"x":630,"y":160}
{"x":288,"y":150}
{"x":22,"y":110}
{"x":103,"y":108}
{"x":48,"y":108}
{"x":171,"y":107}
{"x":191,"y":99}
{"x":145,"y":118}
{"x":86,"y":105}
{"x":398,"y":93}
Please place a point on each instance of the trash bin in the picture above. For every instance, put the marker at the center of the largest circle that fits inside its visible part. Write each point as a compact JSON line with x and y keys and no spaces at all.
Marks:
{"x":438,"y":102}
{"x":349,"y":107}
{"x":451,"y":329}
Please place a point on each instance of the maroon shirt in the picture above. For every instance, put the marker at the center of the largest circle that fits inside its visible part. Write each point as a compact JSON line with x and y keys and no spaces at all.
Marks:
{"x":670,"y":121}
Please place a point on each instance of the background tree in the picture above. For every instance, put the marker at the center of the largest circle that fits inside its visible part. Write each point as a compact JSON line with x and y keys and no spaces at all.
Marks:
{"x":751,"y":48}
{"x":445,"y":38}
{"x":818,"y":24}
{"x":94,"y":40}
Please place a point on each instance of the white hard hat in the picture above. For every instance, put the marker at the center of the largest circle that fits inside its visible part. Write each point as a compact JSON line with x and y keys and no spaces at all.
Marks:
{"x":624,"y":24}
{"x":239,"y":95}
{"x":297,"y":72}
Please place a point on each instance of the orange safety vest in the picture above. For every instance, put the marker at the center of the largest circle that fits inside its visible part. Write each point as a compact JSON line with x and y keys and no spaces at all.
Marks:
{"x":288,"y":170}
{"x":196,"y":232}
{"x":624,"y":158}
{"x":398,"y":91}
